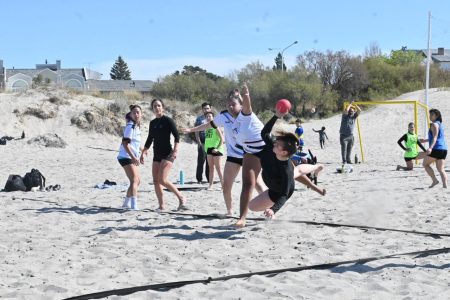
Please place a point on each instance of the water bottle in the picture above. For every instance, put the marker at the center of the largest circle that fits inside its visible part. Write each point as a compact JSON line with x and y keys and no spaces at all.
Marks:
{"x":356,"y":158}
{"x":181,"y":177}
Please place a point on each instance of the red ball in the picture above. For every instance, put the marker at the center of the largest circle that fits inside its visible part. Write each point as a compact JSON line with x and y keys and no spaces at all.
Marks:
{"x":283,"y":106}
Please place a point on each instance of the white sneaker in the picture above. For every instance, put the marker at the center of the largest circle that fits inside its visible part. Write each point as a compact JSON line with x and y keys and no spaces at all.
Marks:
{"x":126,"y":203}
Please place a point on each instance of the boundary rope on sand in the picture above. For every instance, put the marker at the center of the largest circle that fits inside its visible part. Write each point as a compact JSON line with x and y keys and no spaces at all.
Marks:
{"x":312,"y":223}
{"x":162,"y":287}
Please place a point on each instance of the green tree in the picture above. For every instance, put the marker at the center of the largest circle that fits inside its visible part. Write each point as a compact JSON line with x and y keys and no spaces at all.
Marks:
{"x":404,"y":57}
{"x":37,"y":81}
{"x":194,"y":85}
{"x":338,"y":71}
{"x":279,"y":62}
{"x":119,"y":70}
{"x":191,"y":70}
{"x":373,"y":51}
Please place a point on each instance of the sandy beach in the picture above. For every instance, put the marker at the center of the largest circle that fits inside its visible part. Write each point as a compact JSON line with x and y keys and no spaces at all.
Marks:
{"x":76,"y":241}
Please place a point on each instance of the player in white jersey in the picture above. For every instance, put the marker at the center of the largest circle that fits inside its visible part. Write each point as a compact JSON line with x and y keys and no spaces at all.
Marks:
{"x":226,"y":119}
{"x":248,"y":135}
{"x":247,"y":129}
{"x":129,"y":153}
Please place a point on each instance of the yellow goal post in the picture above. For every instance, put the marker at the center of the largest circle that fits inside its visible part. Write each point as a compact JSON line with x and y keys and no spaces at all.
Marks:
{"x":390,"y":102}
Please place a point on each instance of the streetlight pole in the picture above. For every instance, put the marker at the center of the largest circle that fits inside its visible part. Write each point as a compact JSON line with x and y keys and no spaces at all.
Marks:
{"x":427,"y":73}
{"x":282,"y":58}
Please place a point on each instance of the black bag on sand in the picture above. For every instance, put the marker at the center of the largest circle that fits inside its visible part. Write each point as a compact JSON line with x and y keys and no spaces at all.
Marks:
{"x":15,"y":183}
{"x":34,"y":178}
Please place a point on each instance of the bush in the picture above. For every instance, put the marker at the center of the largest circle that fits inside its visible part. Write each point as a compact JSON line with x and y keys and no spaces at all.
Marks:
{"x":57,"y":101}
{"x":39,"y":113}
{"x":98,"y":120}
{"x":265,"y":116}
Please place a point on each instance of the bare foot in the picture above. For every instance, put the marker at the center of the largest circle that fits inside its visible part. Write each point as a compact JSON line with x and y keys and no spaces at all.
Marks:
{"x":160,"y":209}
{"x":240,"y":223}
{"x":182,"y":200}
{"x":433,"y":184}
{"x":182,"y":207}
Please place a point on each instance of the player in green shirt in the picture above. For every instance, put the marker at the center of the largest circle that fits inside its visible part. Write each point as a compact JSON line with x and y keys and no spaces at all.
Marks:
{"x":214,"y":149}
{"x":411,"y":141}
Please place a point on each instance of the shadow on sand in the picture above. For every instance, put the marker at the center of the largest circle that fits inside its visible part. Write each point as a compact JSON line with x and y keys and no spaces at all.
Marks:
{"x":363,"y":268}
{"x":228,"y":235}
{"x":78,"y":210}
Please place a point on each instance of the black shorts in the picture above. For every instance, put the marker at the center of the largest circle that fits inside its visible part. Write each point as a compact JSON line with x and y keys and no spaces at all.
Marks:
{"x":209,"y":152}
{"x":438,"y":154}
{"x":125,"y":161}
{"x":159,"y":158}
{"x":235,"y":160}
{"x":410,"y":158}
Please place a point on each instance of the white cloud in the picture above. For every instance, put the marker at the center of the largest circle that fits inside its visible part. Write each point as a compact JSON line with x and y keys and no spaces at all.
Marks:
{"x":151,"y":69}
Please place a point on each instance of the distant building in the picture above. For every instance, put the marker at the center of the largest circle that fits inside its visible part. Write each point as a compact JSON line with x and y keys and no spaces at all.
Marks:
{"x":108,"y":86}
{"x":439,"y":56}
{"x":2,"y":76}
{"x":72,"y":78}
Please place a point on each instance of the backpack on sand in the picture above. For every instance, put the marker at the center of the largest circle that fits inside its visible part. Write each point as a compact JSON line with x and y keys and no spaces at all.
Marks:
{"x":34,"y":178}
{"x":14,"y":183}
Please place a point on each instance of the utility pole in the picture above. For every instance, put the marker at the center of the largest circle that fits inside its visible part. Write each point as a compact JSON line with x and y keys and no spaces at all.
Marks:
{"x":427,"y":75}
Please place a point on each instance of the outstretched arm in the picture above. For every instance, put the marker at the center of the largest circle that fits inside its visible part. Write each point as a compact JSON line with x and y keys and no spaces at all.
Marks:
{"x":421,"y":146}
{"x":265,"y":132}
{"x":197,"y":128}
{"x":246,"y":102}
{"x":267,"y":129}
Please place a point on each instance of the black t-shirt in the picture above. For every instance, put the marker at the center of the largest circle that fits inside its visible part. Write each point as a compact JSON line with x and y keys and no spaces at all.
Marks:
{"x":278,"y":175}
{"x":159,"y":134}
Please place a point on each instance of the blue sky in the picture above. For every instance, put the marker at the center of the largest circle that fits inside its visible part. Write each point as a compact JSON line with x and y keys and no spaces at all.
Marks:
{"x":157,"y":38}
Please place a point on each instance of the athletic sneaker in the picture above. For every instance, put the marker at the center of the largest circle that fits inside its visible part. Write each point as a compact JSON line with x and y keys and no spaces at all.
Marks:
{"x":133,"y":203}
{"x":126,"y":203}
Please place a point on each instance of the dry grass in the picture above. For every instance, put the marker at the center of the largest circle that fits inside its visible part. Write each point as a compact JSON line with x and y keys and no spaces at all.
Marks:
{"x":48,"y":140}
{"x":58,"y":101}
{"x":133,"y":96}
{"x":39,"y":113}
{"x":98,"y":120}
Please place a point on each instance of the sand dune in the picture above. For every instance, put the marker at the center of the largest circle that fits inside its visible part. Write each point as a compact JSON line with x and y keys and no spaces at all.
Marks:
{"x":75,"y":241}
